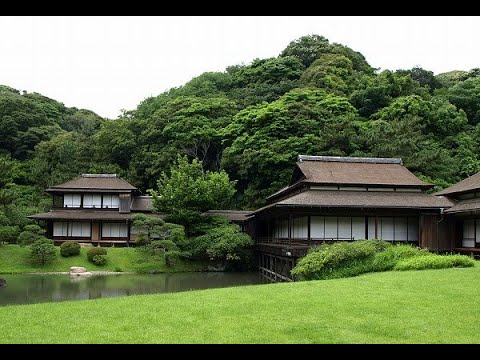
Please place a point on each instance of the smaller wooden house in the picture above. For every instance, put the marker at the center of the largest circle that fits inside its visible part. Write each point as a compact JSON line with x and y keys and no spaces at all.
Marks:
{"x":94,"y":208}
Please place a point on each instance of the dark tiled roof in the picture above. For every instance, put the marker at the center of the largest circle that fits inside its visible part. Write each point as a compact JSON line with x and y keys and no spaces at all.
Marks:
{"x":361,"y":173}
{"x":99,"y":182}
{"x":232,"y":215}
{"x":142,"y":204}
{"x":465,"y":206}
{"x":364,"y":199}
{"x":82,"y":215}
{"x":469,"y":184}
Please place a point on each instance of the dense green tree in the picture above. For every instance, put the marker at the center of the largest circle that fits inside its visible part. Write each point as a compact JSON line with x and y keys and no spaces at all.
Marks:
{"x":188,"y":191}
{"x":62,"y":158}
{"x":115,"y":143}
{"x":265,"y":80}
{"x":331,"y":72}
{"x":265,"y":140}
{"x":465,"y":95}
{"x":43,"y":251}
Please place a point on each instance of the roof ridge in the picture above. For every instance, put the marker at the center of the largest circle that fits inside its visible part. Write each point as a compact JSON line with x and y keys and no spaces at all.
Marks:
{"x":100,"y":176}
{"x":350,"y":159}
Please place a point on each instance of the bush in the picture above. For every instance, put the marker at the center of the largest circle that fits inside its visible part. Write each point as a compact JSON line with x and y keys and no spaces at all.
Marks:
{"x":351,"y":259}
{"x":386,"y":260}
{"x":91,"y":253}
{"x":432,"y":261}
{"x":99,"y":260}
{"x":340,"y":259}
{"x":142,"y":239}
{"x":225,"y":243}
{"x":30,"y":234}
{"x":43,"y":251}
{"x":8,"y":234}
{"x":70,"y":248}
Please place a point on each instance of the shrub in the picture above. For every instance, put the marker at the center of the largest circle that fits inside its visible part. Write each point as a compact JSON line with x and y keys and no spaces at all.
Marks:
{"x":224,"y":243}
{"x":142,"y":239}
{"x":43,"y":251}
{"x":387,"y":259}
{"x":171,"y":257}
{"x":99,"y":260}
{"x":8,"y":234}
{"x":70,"y":248}
{"x":432,"y":261}
{"x":118,"y":269}
{"x":340,"y":259}
{"x":91,"y":253}
{"x":30,"y":234}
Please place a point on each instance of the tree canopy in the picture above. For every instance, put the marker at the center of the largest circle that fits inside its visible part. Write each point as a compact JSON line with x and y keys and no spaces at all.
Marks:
{"x":231,"y":138}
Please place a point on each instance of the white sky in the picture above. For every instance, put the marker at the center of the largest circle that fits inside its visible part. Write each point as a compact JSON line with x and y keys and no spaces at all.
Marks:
{"x":110,"y":63}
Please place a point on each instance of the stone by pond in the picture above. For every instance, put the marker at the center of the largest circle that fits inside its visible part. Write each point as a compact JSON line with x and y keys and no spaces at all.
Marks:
{"x":26,"y":289}
{"x":3,"y":283}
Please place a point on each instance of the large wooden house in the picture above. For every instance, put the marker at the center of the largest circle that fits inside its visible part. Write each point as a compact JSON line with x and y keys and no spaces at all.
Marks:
{"x":350,"y":198}
{"x":94,"y":208}
{"x":464,"y":215}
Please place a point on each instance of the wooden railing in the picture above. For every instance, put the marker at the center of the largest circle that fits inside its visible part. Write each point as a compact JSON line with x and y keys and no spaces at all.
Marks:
{"x":305,"y":242}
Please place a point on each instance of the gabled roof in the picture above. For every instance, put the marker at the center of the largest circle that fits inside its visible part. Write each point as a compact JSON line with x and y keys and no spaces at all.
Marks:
{"x":94,"y":182}
{"x":469,"y":184}
{"x":142,"y":204}
{"x":232,"y":215}
{"x":351,"y":171}
{"x":357,"y":171}
{"x":362,"y":199}
{"x":470,"y":205}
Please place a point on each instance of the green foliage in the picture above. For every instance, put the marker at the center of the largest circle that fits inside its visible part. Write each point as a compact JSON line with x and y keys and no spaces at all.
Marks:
{"x":8,"y":234}
{"x":70,"y":248}
{"x":95,"y":251}
{"x":43,"y":251}
{"x":350,"y":259}
{"x":265,"y":140}
{"x":224,"y":244}
{"x":251,"y":121}
{"x":466,"y":96}
{"x":99,"y":260}
{"x":142,"y":239}
{"x":432,"y":261}
{"x":30,"y":234}
{"x":189,"y":190}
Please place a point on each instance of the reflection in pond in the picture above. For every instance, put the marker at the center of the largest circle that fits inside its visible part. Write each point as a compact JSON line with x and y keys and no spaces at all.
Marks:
{"x":25,"y":289}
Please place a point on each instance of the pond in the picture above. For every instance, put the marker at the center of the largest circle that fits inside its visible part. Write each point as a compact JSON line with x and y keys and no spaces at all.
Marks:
{"x":27,"y":289}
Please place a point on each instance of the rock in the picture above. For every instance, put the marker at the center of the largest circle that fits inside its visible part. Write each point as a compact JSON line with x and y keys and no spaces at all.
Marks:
{"x":216,"y":267}
{"x":82,"y":274}
{"x":3,"y":283}
{"x":77,"y":269}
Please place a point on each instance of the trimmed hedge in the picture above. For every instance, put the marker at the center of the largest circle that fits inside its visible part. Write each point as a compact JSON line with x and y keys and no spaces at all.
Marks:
{"x":91,"y":253}
{"x":345,"y":259}
{"x":99,"y":260}
{"x":70,"y":248}
{"x":432,"y":261}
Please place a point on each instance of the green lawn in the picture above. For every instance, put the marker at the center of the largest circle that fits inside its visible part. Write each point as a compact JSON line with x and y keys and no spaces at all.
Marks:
{"x":432,"y":306}
{"x":15,"y":259}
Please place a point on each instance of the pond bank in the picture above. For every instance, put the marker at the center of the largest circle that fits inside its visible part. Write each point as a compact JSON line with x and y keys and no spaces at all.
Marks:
{"x":15,"y":259}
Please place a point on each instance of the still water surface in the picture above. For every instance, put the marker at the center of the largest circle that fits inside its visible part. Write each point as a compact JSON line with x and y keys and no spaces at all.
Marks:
{"x":27,"y":289}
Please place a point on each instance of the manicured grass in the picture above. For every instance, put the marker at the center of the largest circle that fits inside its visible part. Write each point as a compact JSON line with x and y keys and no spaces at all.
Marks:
{"x":431,"y":306}
{"x":15,"y":259}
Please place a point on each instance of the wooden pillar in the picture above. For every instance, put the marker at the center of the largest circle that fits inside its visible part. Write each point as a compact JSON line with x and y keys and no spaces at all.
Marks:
{"x":128,"y":233}
{"x":376,"y":227}
{"x":290,"y":227}
{"x":309,"y":231}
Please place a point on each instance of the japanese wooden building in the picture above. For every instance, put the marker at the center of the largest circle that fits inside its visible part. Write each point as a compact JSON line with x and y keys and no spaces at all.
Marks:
{"x":345,"y":199}
{"x":464,"y":215}
{"x":94,"y":208}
